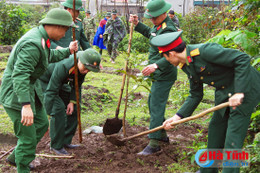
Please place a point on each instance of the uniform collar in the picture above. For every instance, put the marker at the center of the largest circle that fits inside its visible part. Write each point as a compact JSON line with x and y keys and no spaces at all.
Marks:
{"x":189,"y":58}
{"x":43,"y":32}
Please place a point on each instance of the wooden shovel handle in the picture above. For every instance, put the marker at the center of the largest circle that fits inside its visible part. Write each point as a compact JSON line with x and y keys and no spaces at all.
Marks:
{"x":226,"y":104}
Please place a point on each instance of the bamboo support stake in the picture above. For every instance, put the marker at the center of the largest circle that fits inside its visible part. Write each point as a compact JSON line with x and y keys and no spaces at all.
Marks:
{"x":7,"y":152}
{"x":76,"y":77}
{"x":54,"y":156}
{"x":126,"y":71}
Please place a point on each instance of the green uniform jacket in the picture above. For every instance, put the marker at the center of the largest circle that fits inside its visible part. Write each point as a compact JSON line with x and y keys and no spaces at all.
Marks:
{"x":27,"y":62}
{"x":89,"y":25}
{"x":228,"y":70}
{"x":80,"y":37}
{"x":55,"y":77}
{"x":166,"y":71}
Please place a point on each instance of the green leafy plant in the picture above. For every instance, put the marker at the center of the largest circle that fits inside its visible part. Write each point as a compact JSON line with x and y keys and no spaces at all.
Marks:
{"x":197,"y":144}
{"x":139,"y":43}
{"x":241,"y":39}
{"x":12,"y":20}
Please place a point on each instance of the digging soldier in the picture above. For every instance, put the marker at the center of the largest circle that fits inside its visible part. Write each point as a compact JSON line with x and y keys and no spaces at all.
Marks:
{"x":115,"y":31}
{"x":235,"y":80}
{"x":63,"y":42}
{"x":21,"y":94}
{"x":89,"y":27}
{"x":159,"y":69}
{"x":79,"y":31}
{"x":60,"y":104}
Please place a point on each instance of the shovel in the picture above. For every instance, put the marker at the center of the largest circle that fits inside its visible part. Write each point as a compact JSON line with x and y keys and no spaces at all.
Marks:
{"x":113,"y":125}
{"x":114,"y":139}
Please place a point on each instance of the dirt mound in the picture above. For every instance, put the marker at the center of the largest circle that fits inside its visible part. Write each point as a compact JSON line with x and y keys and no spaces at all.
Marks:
{"x":98,"y":155}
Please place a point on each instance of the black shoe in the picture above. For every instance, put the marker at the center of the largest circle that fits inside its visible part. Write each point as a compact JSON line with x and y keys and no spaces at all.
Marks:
{"x":31,"y":166}
{"x":149,"y":150}
{"x":165,"y":139}
{"x":71,"y":146}
{"x":61,"y":151}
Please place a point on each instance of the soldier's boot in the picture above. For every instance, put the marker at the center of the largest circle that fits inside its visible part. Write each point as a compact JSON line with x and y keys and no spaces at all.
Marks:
{"x":152,"y":147}
{"x":11,"y":160}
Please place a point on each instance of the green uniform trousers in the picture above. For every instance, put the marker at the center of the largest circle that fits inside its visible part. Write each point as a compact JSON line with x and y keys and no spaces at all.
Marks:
{"x":28,"y":136}
{"x":228,"y":131}
{"x":157,"y":102}
{"x":111,"y":48}
{"x":62,"y":126}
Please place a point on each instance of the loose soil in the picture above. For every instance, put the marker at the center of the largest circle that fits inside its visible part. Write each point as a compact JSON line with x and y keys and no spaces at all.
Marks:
{"x":96,"y":154}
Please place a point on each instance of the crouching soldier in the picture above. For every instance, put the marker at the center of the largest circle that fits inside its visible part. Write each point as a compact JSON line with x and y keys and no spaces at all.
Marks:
{"x":60,"y":104}
{"x":235,"y":80}
{"x":21,"y":93}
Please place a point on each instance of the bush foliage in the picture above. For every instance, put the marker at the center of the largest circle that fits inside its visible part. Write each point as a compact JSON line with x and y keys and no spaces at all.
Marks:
{"x":12,"y":20}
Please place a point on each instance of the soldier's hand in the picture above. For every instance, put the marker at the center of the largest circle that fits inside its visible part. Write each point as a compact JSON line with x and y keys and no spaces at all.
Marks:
{"x":100,"y":66}
{"x":59,"y":47}
{"x":27,"y":115}
{"x":70,"y":108}
{"x":133,"y":18}
{"x":167,"y":123}
{"x":149,"y":69}
{"x":236,"y":100}
{"x":73,"y":46}
{"x":100,"y":36}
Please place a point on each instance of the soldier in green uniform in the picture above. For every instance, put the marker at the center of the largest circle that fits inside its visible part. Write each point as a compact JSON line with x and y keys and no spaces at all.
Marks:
{"x":235,"y":80}
{"x":79,"y":31}
{"x":161,"y":71}
{"x":60,"y":104}
{"x":80,"y":37}
{"x":115,"y":31}
{"x":21,"y":93}
{"x":89,"y":27}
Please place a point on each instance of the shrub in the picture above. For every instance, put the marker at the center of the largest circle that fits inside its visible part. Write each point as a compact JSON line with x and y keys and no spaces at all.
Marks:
{"x":139,"y":43}
{"x":12,"y":19}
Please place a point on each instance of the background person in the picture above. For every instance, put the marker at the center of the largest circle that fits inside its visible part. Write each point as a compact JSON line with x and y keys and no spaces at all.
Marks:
{"x":21,"y":93}
{"x":115,"y":32}
{"x":89,"y":26}
{"x":174,"y":18}
{"x":98,"y":39}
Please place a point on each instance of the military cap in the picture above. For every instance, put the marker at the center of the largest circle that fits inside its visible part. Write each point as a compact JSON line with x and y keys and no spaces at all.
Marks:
{"x":114,"y":11}
{"x":57,"y":16}
{"x":69,"y":4}
{"x":171,"y":12}
{"x":168,"y":41}
{"x":90,"y":58}
{"x":88,"y":11}
{"x":155,"y":8}
{"x":108,"y":14}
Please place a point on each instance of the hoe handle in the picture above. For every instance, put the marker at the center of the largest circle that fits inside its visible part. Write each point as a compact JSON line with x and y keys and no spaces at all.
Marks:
{"x":226,"y":104}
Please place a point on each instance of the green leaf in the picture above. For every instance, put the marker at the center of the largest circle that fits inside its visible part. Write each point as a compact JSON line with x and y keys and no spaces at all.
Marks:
{"x":241,"y":39}
{"x":192,"y":159}
{"x":250,"y":34}
{"x":233,"y":34}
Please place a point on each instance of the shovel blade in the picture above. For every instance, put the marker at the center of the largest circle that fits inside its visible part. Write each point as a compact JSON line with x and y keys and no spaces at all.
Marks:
{"x":112,"y":126}
{"x":114,"y":139}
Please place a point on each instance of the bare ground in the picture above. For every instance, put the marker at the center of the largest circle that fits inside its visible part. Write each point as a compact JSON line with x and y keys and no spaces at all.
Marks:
{"x":96,"y":154}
